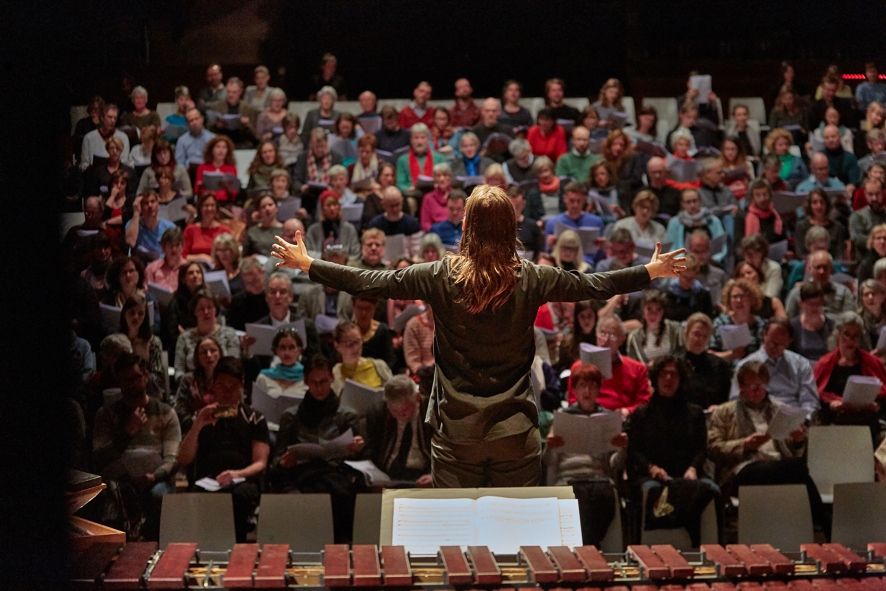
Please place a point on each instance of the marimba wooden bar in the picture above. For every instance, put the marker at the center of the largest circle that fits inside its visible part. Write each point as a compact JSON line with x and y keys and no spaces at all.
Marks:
{"x":737,"y":567}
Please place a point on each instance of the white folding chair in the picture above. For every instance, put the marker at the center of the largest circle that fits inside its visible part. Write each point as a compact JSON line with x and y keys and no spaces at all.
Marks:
{"x":579,"y":102}
{"x":367,"y":519}
{"x":164,"y":110}
{"x":755,"y":105}
{"x":628,"y":104}
{"x":204,"y":518}
{"x":838,"y":454}
{"x":352,"y":107}
{"x":775,"y":514}
{"x":667,"y":109}
{"x":300,"y":108}
{"x":533,"y":104}
{"x":858,"y":518}
{"x":242,"y":159}
{"x":304,"y":521}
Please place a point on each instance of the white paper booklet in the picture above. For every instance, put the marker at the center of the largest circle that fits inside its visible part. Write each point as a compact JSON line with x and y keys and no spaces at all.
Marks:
{"x":861,"y":390}
{"x":212,"y":485}
{"x":785,"y":421}
{"x":264,"y":335}
{"x":734,"y":336}
{"x":587,"y":434}
{"x":360,"y":398}
{"x":325,"y":450}
{"x":599,"y":356}
{"x":502,"y":524}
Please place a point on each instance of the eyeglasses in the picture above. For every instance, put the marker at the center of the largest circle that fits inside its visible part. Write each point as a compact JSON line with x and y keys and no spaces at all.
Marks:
{"x":280,"y":291}
{"x":608,"y":335}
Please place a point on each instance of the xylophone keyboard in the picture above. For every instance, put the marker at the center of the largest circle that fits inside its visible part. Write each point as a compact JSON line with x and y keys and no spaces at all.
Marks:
{"x":735,"y":567}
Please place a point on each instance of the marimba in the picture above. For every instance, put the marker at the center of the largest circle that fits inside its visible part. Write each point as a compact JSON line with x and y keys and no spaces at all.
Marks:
{"x":736,"y":567}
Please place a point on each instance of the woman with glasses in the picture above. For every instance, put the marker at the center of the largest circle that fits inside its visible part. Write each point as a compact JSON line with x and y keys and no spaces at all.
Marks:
{"x":348,"y":342}
{"x":740,"y":301}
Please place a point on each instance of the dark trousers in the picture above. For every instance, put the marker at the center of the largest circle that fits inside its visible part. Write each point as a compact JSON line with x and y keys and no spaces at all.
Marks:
{"x":509,"y":461}
{"x":596,"y":509}
{"x":245,"y":498}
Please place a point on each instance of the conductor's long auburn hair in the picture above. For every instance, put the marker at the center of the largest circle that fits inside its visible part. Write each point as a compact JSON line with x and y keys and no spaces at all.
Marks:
{"x":487,"y":263}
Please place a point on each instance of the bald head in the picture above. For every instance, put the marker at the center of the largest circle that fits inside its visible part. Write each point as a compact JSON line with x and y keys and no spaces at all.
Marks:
{"x":657,"y":171}
{"x":489,"y":111}
{"x":831,"y":135}
{"x":819,"y":166}
{"x":581,"y":139}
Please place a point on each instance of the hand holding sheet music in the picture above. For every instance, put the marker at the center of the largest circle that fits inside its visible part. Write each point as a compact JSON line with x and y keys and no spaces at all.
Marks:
{"x":587,"y":434}
{"x":734,"y":336}
{"x":861,"y":391}
{"x":785,"y":421}
{"x":599,"y":356}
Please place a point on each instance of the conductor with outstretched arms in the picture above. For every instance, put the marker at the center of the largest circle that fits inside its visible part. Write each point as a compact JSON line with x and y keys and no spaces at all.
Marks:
{"x":484,"y":300}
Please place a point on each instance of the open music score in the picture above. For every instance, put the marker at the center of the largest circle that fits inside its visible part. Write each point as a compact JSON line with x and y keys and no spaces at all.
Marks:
{"x":758,"y":567}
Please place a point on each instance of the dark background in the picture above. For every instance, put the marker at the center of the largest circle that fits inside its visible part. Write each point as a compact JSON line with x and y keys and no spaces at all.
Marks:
{"x":55,"y":54}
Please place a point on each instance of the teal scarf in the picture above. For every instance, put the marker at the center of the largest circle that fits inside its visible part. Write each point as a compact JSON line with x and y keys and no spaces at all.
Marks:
{"x":293,"y":373}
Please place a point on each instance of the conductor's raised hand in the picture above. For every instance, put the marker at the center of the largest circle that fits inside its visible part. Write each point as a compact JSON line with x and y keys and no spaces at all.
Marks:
{"x":292,"y":254}
{"x":669,"y":264}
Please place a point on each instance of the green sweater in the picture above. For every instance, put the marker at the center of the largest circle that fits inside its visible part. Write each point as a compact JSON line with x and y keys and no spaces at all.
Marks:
{"x":481,"y":387}
{"x":577,"y":167}
{"x":404,"y":179}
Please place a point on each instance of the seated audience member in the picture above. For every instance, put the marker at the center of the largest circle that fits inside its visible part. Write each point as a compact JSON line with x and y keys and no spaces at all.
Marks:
{"x":372,"y":251}
{"x":714,"y":194}
{"x":657,"y":336}
{"x":287,"y":378}
{"x":820,"y":177}
{"x":709,"y":109}
{"x":124,"y":278}
{"x":770,"y":307}
{"x":214,"y":90}
{"x":837,"y":297}
{"x":841,"y":164}
{"x":831,"y":117}
{"x":685,"y":294}
{"x":343,"y":139}
{"x":812,"y":327}
{"x":205,"y":310}
{"x":494,"y":136}
{"x":368,"y":371}
{"x":603,"y":197}
{"x":250,"y":303}
{"x":628,"y":387}
{"x":338,"y":183}
{"x":163,"y":158}
{"x":116,"y":205}
{"x":741,"y":301}
{"x":226,"y":257}
{"x":702,"y":133}
{"x":624,"y":164}
{"x":469,"y":162}
{"x":320,"y":299}
{"x":163,"y":271}
{"x":620,"y":252}
{"x":398,"y":440}
{"x":546,"y":137}
{"x":99,"y":178}
{"x":545,"y":199}
{"x":568,"y":253}
{"x":876,"y":170}
{"x":830,"y":86}
{"x":234,"y":117}
{"x":92,"y":121}
{"x":312,"y":166}
{"x":872,"y":295}
{"x":576,"y":163}
{"x":271,"y":120}
{"x":229,"y":440}
{"x":289,"y":144}
{"x":387,"y":177}
{"x":789,"y":113}
{"x":318,"y":418}
{"x":744,"y":137}
{"x":555,"y":90}
{"x":609,"y":102}
{"x":199,"y":236}
{"x":95,"y":142}
{"x":743,"y":451}
{"x":667,"y":441}
{"x":874,"y":151}
{"x":658,"y":183}
{"x":145,"y":228}
{"x":771,"y":171}
{"x":327,"y":77}
{"x":431,"y":248}
{"x":862,"y":221}
{"x":512,"y":113}
{"x":818,"y":210}
{"x":643,"y":228}
{"x":871,"y":89}
{"x":708,"y":381}
{"x":790,"y":374}
{"x":259,"y":95}
{"x":135,"y":324}
{"x":761,"y":218}
{"x":137,"y":422}
{"x":518,"y":168}
{"x":442,"y":134}
{"x":592,"y":476}
{"x":450,"y":230}
{"x":176,"y":123}
{"x":140,"y":155}
{"x":267,"y":159}
{"x":583,"y":330}
{"x":755,"y":250}
{"x":418,"y":110}
{"x":418,"y":348}
{"x":528,"y":231}
{"x":693,"y":217}
{"x":331,"y":228}
{"x":260,"y":236}
{"x":816,"y":239}
{"x":433,"y":204}
{"x":190,"y":147}
{"x":365,"y":167}
{"x":178,"y":316}
{"x":418,"y":161}
{"x":646,"y":130}
{"x":464,"y":112}
{"x":391,"y":137}
{"x":574,"y":216}
{"x":737,"y":168}
{"x":710,"y":275}
{"x":792,"y":170}
{"x":377,"y":338}
{"x":195,"y":388}
{"x":218,"y":160}
{"x":394,"y":222}
{"x":833,"y":370}
{"x":77,"y":242}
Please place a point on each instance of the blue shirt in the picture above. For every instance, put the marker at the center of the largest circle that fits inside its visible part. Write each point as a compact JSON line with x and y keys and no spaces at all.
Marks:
{"x":813,"y":183}
{"x":449,"y":233}
{"x":189,"y":149}
{"x":790,"y":380}
{"x":149,"y":240}
{"x":866,"y":93}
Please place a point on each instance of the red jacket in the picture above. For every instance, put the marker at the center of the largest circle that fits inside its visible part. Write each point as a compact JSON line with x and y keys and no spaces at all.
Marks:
{"x":870,"y":366}
{"x":553,"y":146}
{"x":408,"y":118}
{"x":627,"y":388}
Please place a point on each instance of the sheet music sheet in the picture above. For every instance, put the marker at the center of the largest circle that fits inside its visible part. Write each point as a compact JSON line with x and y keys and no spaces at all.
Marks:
{"x":599,"y":356}
{"x":785,"y":421}
{"x":423,"y":525}
{"x":570,"y":523}
{"x":505,"y":524}
{"x":735,"y":336}
{"x":861,"y":390}
{"x":587,"y":434}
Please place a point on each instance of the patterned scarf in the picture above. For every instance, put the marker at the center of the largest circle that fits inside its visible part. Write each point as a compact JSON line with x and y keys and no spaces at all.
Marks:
{"x":755,"y":214}
{"x":313,"y":175}
{"x":360,"y":173}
